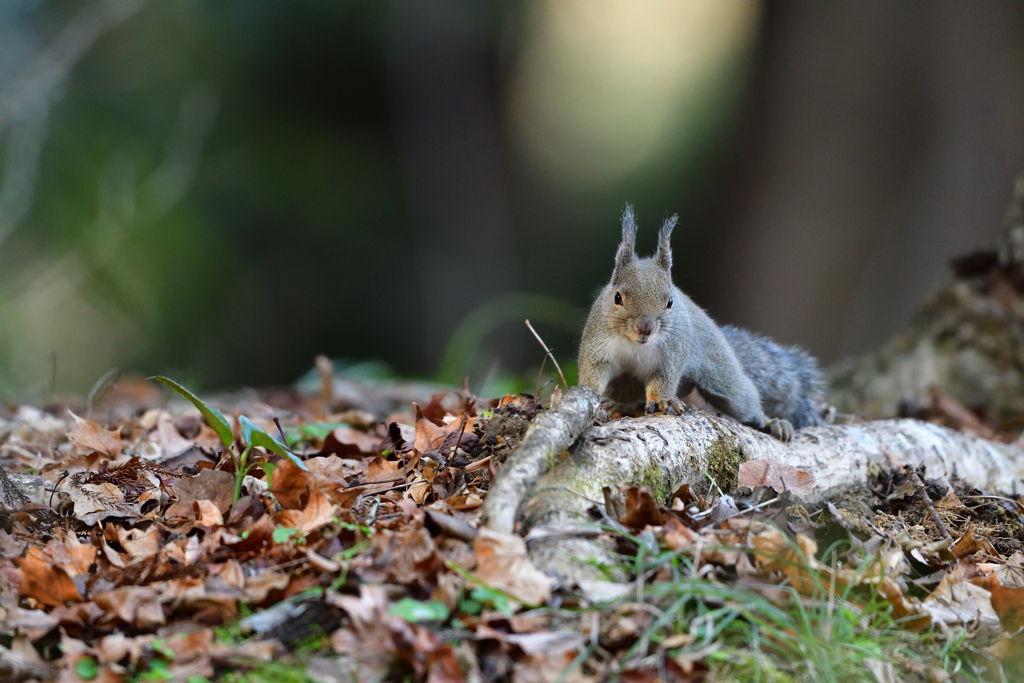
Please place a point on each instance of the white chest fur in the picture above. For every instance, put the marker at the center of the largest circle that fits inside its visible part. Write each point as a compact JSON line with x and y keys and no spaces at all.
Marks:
{"x":638,"y":360}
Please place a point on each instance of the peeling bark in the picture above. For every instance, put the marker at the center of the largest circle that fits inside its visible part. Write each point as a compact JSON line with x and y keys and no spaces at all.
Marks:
{"x":552,"y":431}
{"x":665,"y":452}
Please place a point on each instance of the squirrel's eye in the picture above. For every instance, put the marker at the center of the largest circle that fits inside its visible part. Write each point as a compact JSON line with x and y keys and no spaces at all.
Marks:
{"x":669,"y":304}
{"x":618,"y":298}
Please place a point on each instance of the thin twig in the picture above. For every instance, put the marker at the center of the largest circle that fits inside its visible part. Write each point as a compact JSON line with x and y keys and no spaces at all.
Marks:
{"x":462,"y":429}
{"x":111,"y":375}
{"x":540,"y":373}
{"x":280,"y":430}
{"x":395,"y":488}
{"x":548,"y":351}
{"x":479,"y":464}
{"x":873,"y":527}
{"x":372,"y":483}
{"x":758,"y":506}
{"x":53,"y":374}
{"x":927,"y":501}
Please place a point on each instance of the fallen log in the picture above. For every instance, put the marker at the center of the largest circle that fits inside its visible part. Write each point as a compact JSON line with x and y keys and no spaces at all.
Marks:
{"x":564,"y":462}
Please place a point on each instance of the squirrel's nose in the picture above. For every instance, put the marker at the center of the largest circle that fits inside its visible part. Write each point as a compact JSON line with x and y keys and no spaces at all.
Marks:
{"x":644,"y":327}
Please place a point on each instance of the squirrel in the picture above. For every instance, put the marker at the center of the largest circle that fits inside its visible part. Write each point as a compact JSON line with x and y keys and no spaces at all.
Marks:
{"x":642,"y":331}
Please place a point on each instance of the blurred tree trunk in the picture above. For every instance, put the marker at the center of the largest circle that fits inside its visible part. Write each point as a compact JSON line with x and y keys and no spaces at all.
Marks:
{"x":883,"y":139}
{"x":448,"y":141}
{"x":967,"y":341}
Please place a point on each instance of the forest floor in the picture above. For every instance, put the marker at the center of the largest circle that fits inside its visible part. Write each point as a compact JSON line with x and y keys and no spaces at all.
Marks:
{"x":147,"y":539}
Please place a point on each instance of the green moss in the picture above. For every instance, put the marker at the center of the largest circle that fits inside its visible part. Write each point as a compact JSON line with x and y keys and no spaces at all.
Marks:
{"x":655,"y":479}
{"x":726,"y":456}
{"x":271,"y":672}
{"x":554,"y":459}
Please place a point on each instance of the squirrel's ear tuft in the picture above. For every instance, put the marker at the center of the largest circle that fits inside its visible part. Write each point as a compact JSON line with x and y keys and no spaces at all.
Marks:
{"x":627,"y":247}
{"x":663,"y":257}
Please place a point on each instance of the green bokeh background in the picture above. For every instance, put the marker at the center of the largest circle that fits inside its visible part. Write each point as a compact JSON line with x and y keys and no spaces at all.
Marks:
{"x":226,"y":189}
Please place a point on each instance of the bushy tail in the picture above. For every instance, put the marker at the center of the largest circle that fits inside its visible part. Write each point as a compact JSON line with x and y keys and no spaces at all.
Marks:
{"x":788,"y":378}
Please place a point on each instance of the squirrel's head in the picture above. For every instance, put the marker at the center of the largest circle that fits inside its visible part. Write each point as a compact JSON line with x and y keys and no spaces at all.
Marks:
{"x":641,"y":288}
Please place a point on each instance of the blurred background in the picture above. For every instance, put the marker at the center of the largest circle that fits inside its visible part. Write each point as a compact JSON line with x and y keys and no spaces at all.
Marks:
{"x":222,"y":190}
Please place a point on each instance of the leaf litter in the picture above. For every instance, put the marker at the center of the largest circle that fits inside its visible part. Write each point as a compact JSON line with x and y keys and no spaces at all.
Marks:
{"x":149,"y":543}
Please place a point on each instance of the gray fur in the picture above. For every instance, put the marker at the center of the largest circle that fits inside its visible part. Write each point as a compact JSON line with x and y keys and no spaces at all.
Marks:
{"x":788,"y":378}
{"x":627,"y":247}
{"x":670,"y":350}
{"x":663,"y":256}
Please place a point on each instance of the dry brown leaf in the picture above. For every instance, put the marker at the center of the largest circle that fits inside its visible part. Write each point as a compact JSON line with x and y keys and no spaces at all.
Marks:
{"x":207,"y":513}
{"x":547,"y":668}
{"x":117,"y":646}
{"x":48,"y":584}
{"x":334,"y":469}
{"x":466,"y":501}
{"x":961,"y":603}
{"x":1009,"y":650}
{"x":430,"y":437}
{"x":419,"y":490}
{"x":368,"y":638}
{"x":950,"y":502}
{"x":139,"y":544}
{"x":678,"y":669}
{"x":135,"y":605}
{"x":775,"y":553}
{"x":772,"y":473}
{"x":377,"y":639}
{"x":318,"y":511}
{"x":75,"y":557}
{"x":209,"y":484}
{"x":502,"y":563}
{"x":291,"y":485}
{"x":88,"y":437}
{"x":383,"y":470}
{"x":171,"y":442}
{"x":405,"y":557}
{"x":96,"y":502}
{"x":9,"y":546}
{"x":113,"y":556}
{"x":970,"y":543}
{"x":1008,"y":603}
{"x":641,"y":509}
{"x":678,"y":536}
{"x":246,"y":653}
{"x":21,"y":662}
{"x":346,"y":442}
{"x":547,"y":642}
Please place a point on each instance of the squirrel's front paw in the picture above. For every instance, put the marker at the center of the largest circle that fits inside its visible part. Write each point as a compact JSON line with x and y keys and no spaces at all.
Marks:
{"x":780,"y":429}
{"x":670,"y":406}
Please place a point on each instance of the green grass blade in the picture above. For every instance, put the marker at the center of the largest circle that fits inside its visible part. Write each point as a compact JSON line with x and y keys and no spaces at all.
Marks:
{"x":255,"y":436}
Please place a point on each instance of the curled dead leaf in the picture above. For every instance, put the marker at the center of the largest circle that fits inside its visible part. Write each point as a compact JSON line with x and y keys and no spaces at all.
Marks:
{"x":88,"y":437}
{"x":48,"y":584}
{"x":502,"y":563}
{"x":135,"y":605}
{"x":209,"y":484}
{"x":318,"y":511}
{"x":773,"y":474}
{"x":346,"y":442}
